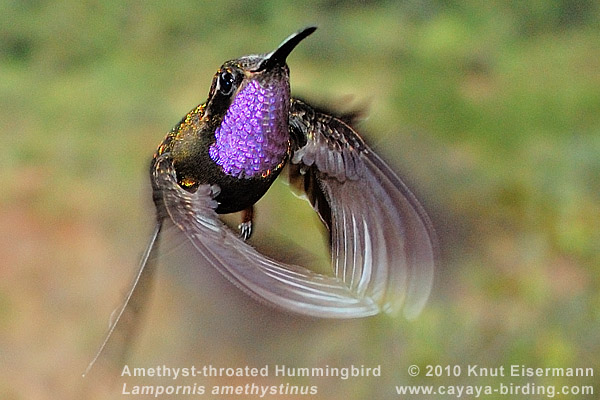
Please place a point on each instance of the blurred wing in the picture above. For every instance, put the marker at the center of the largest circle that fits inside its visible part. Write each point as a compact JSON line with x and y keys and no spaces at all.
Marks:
{"x":382,"y":241}
{"x":125,"y":319}
{"x":290,"y":287}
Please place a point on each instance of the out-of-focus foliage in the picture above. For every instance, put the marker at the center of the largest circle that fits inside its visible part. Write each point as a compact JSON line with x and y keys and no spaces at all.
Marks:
{"x":489,"y":110}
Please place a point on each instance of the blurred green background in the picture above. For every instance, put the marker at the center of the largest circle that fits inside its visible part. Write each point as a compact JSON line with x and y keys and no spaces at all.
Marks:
{"x":489,"y":110}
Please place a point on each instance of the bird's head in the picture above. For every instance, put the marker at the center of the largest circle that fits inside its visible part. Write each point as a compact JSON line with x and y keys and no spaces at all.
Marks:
{"x":249,"y":103}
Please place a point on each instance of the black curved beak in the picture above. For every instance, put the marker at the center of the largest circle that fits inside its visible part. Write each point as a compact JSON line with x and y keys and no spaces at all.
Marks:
{"x":277,"y":57}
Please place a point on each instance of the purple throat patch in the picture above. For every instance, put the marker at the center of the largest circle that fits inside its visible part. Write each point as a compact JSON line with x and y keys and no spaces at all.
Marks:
{"x":253,"y":137}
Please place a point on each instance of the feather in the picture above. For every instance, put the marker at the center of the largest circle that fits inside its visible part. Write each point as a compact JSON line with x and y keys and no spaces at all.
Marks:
{"x":382,"y":241}
{"x":290,"y":287}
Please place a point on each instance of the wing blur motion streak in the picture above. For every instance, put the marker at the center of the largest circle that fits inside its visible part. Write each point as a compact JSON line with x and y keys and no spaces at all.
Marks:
{"x":126,"y":318}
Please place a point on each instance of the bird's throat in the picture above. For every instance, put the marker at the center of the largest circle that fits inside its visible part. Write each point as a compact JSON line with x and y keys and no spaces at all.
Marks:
{"x":253,"y":139}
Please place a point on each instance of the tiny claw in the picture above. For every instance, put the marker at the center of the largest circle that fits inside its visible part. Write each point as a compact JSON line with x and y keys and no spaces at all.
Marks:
{"x":245,"y":230}
{"x":246,"y":226}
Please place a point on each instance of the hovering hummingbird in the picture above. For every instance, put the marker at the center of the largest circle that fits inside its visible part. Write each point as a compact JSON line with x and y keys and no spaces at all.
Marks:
{"x":225,"y":154}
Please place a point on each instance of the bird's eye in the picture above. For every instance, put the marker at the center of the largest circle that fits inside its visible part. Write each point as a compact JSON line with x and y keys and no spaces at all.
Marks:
{"x":226,"y":81}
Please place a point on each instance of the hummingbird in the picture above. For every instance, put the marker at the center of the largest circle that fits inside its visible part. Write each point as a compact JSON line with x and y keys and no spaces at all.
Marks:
{"x":223,"y":156}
